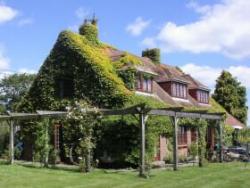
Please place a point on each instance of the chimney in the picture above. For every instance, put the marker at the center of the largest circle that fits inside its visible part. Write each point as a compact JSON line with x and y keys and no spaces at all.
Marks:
{"x":154,"y":54}
{"x":89,"y":29}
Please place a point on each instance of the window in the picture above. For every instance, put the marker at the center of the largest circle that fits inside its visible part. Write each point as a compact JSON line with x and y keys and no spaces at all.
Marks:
{"x":144,"y":84}
{"x":65,"y":88}
{"x":179,"y":90}
{"x":182,"y":135}
{"x":202,"y":96}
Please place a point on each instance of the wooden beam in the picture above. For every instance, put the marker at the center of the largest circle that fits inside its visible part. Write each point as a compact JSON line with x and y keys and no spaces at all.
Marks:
{"x":11,"y":142}
{"x":188,"y":114}
{"x":175,"y":142}
{"x":161,"y":112}
{"x":107,"y":112}
{"x":220,"y":126}
{"x":143,"y":118}
{"x":211,"y":116}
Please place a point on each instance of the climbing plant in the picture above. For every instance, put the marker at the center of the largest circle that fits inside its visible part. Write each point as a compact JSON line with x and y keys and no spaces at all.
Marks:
{"x":201,"y":126}
{"x":81,"y":119}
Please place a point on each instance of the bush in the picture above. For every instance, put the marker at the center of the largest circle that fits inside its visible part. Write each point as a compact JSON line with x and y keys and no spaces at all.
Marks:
{"x":169,"y":158}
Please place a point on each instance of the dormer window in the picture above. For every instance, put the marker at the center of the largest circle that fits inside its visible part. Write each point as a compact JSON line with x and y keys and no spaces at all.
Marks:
{"x":175,"y":88}
{"x":202,"y":96}
{"x":179,"y":90}
{"x":144,"y":83}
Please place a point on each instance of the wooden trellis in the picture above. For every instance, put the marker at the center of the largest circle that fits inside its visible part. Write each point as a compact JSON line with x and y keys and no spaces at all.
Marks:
{"x":174,"y":113}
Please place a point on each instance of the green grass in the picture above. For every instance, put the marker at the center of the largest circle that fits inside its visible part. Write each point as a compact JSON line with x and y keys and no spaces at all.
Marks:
{"x":215,"y":175}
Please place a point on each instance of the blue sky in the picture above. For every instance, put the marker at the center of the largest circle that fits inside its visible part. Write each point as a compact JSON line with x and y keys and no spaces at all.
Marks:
{"x":203,"y":37}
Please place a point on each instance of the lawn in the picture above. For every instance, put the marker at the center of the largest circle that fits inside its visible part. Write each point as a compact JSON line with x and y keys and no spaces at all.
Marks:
{"x":214,"y":175}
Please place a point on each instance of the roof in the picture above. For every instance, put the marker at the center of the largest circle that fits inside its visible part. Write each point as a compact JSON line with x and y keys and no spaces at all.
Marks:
{"x":235,"y":123}
{"x":164,"y":73}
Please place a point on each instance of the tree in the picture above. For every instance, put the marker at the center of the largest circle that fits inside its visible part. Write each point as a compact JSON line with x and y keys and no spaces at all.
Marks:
{"x":231,"y":95}
{"x":14,"y":87}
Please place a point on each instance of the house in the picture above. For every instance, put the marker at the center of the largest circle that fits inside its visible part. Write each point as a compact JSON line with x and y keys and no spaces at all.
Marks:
{"x":81,"y":67}
{"x":235,"y":123}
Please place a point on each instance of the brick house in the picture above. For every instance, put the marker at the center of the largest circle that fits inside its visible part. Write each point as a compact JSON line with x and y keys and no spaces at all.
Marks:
{"x":65,"y":71}
{"x":172,"y":86}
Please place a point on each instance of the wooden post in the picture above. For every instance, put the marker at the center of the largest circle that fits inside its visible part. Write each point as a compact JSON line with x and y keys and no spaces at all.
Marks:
{"x":175,"y":143}
{"x":46,"y":160}
{"x":220,"y":140}
{"x":200,"y":149}
{"x":11,"y":146}
{"x":142,"y":154}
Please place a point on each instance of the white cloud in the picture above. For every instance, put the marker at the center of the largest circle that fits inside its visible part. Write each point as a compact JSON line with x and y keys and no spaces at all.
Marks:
{"x":221,"y":28}
{"x":7,"y":13}
{"x":27,"y":71}
{"x":138,"y":26}
{"x":25,"y":21}
{"x":208,"y":75}
{"x":82,"y":13}
{"x":204,"y":74}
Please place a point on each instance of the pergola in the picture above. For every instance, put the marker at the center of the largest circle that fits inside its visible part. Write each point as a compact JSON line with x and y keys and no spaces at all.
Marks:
{"x":175,"y":113}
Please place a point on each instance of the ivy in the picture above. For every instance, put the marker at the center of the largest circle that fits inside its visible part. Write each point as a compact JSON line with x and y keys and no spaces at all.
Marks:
{"x":80,"y":125}
{"x":153,"y":54}
{"x":83,"y":60}
{"x":90,"y":31}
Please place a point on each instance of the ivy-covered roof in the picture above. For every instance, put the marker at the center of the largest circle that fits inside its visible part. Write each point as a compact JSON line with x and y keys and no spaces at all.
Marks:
{"x":95,"y":72}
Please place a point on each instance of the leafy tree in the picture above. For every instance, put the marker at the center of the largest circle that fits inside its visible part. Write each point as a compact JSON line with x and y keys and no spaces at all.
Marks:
{"x":231,"y":95}
{"x":13,"y":87}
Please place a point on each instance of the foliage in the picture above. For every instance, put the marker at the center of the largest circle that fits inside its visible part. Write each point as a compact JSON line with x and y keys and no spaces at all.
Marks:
{"x":153,"y":54}
{"x":128,"y":77}
{"x":244,"y":136}
{"x":42,"y":147}
{"x":82,"y":61}
{"x":127,"y":59}
{"x":90,"y":31}
{"x":124,"y":130}
{"x":91,"y":72}
{"x":213,"y":108}
{"x":126,"y":70}
{"x":231,"y":95}
{"x":193,"y":149}
{"x":169,"y":158}
{"x":228,"y":135}
{"x":4,"y":137}
{"x":201,"y":126}
{"x":14,"y":87}
{"x":81,"y":120}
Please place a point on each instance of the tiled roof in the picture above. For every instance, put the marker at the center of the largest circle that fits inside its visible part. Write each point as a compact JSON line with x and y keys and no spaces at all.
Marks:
{"x":164,"y":73}
{"x":194,"y":83}
{"x":230,"y":120}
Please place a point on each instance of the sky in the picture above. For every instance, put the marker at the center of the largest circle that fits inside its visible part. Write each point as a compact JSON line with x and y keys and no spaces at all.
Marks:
{"x":203,"y":37}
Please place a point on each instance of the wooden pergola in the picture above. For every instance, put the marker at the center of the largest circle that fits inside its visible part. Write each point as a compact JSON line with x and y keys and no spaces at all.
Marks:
{"x":175,"y":113}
